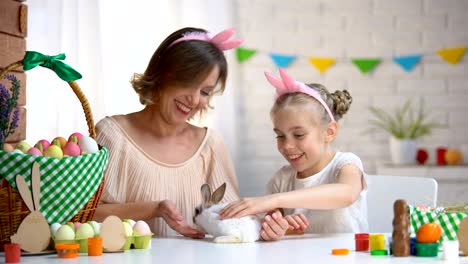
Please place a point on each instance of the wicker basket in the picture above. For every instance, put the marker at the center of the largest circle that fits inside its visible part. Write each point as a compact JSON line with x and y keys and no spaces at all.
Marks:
{"x":12,"y":208}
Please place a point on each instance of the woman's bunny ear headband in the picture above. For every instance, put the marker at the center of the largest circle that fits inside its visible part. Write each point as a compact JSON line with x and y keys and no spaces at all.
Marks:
{"x":287,"y":85}
{"x":220,"y":40}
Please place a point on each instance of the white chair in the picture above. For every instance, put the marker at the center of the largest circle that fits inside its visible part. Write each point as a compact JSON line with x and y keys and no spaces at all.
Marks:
{"x":384,"y":190}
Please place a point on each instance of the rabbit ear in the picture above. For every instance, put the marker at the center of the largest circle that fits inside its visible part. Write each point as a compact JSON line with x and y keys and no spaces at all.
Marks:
{"x":36,"y":185}
{"x":206,"y":193}
{"x":24,"y":191}
{"x":218,"y":194}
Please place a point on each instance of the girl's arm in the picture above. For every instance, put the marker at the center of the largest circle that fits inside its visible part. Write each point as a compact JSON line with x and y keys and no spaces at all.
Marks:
{"x":327,"y":196}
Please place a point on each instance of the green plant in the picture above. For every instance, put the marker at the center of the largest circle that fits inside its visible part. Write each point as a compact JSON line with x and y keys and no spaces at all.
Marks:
{"x":403,"y":124}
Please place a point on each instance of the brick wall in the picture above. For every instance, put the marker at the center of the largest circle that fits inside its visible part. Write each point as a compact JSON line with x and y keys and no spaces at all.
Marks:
{"x":13,"y":31}
{"x":345,"y":29}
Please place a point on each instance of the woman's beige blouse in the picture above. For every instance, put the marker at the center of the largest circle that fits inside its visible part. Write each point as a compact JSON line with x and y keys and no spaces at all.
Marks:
{"x":134,"y":176}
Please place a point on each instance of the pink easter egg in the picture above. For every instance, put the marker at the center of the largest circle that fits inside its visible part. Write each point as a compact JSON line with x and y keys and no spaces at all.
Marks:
{"x":77,"y":225}
{"x":45,"y":143}
{"x":78,"y":136}
{"x":34,"y":151}
{"x":71,"y":149}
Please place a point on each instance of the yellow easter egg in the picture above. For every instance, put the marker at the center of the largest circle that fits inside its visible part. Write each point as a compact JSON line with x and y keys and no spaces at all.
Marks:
{"x":54,"y":151}
{"x":453,"y":156}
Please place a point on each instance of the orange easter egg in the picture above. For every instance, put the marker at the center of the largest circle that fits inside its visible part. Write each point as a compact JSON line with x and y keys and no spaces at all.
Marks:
{"x":453,"y":156}
{"x":429,"y":233}
{"x":8,"y":147}
{"x":63,"y":141}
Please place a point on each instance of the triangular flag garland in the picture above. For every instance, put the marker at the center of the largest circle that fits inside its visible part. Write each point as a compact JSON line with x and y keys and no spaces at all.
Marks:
{"x":322,"y":64}
{"x":281,"y":60}
{"x":244,"y":54}
{"x":365,"y":65}
{"x":407,"y":62}
{"x":452,"y":55}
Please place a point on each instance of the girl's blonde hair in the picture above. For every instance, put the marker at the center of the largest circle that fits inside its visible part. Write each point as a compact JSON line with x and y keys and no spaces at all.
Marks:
{"x":338,"y":102}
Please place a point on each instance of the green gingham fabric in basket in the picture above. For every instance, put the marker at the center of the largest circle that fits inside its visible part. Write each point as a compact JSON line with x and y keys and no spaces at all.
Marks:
{"x":67,"y":184}
{"x":448,"y":221}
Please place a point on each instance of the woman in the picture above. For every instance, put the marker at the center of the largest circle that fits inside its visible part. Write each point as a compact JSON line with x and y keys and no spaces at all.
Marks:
{"x":157,"y":160}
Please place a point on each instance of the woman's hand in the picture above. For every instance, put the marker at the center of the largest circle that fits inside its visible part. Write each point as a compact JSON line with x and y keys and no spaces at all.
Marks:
{"x":274,"y":226}
{"x":297,"y":222}
{"x":168,"y":211}
{"x":248,"y":206}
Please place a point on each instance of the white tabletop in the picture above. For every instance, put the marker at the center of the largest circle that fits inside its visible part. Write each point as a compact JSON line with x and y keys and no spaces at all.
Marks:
{"x":291,"y":249}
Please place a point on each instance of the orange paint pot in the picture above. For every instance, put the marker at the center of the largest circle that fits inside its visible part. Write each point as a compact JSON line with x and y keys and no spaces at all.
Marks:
{"x":94,"y":246}
{"x":67,"y":250}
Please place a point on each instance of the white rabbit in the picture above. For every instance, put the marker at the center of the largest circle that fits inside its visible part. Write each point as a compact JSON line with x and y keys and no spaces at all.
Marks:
{"x":33,"y":234}
{"x":234,"y":230}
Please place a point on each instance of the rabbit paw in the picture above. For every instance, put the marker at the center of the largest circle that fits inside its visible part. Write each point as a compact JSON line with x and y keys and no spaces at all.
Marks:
{"x":227,"y":239}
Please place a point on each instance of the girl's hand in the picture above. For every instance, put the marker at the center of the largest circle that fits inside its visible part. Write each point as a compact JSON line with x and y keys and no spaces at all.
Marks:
{"x":168,"y":211}
{"x":274,"y":226}
{"x":247,"y":206}
{"x":297,"y":222}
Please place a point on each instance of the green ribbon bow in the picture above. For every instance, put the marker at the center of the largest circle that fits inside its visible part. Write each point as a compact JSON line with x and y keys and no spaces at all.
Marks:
{"x":64,"y":71}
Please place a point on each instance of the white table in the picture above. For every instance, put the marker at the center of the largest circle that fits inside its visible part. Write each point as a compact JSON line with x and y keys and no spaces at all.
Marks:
{"x":292,"y":249}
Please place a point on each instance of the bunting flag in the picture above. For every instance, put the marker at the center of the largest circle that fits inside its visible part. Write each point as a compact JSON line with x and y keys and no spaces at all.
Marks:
{"x":407,"y":62}
{"x":281,"y":60}
{"x":452,"y":55}
{"x":244,"y":54}
{"x":366,"y":65}
{"x":322,"y":64}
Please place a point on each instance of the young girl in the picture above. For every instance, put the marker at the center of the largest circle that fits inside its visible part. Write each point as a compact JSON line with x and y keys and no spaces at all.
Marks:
{"x":320,"y":186}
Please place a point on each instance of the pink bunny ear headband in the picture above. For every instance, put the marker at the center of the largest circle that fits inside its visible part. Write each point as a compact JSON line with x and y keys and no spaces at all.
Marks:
{"x":220,"y":40}
{"x":288,"y":85}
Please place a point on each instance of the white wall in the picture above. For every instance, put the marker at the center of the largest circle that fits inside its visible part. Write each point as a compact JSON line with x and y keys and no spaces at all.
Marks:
{"x":344,"y":29}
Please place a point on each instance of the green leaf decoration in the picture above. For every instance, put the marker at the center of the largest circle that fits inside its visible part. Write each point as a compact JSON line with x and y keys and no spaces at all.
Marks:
{"x":244,"y":54}
{"x":366,"y":65}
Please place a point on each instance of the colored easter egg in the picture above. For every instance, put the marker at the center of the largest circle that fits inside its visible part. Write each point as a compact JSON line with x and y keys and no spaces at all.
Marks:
{"x":71,"y":149}
{"x":34,"y":151}
{"x":8,"y":147}
{"x":88,"y":145}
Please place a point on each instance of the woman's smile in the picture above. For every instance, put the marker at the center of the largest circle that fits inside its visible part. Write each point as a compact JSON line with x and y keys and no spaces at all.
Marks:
{"x":183,"y":108}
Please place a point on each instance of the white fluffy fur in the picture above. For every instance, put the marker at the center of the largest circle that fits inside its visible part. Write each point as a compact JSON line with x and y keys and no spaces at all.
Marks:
{"x":234,"y":230}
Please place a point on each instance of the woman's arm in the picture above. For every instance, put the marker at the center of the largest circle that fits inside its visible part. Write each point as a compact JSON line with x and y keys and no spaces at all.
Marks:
{"x":148,"y":210}
{"x":327,"y":196}
{"x":137,"y":211}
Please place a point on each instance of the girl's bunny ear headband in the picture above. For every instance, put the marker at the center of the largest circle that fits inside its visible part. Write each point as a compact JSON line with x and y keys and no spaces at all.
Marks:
{"x":287,"y":85}
{"x":220,"y":40}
